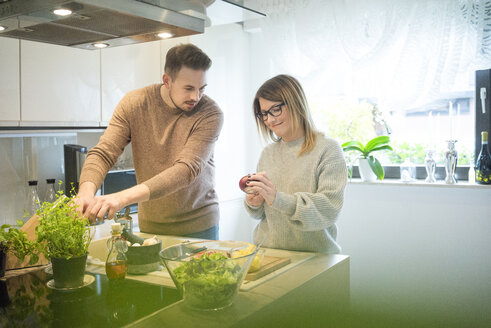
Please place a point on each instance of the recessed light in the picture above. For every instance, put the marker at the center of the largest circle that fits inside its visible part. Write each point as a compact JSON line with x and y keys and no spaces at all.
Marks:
{"x":100,"y":45}
{"x":165,"y":35}
{"x":62,"y":12}
{"x":2,"y":28}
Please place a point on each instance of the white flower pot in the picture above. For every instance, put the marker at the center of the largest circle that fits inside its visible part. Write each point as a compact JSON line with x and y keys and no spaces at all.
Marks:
{"x":366,"y":172}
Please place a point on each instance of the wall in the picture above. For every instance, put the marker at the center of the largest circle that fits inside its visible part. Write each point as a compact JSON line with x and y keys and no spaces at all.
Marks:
{"x":33,"y":156}
{"x":419,"y":253}
{"x":419,"y":248}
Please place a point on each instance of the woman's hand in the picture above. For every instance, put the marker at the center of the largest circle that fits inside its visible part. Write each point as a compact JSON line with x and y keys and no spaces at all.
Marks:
{"x":263,"y":187}
{"x":254,"y":199}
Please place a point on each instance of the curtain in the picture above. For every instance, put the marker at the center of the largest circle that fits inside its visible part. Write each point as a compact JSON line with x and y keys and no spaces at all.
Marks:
{"x":399,"y":53}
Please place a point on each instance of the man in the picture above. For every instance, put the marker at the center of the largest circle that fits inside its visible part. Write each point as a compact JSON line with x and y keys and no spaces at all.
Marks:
{"x":172,"y":128}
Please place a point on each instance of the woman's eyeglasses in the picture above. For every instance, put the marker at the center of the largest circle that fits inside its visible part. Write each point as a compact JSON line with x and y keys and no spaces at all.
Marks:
{"x":273,"y":111}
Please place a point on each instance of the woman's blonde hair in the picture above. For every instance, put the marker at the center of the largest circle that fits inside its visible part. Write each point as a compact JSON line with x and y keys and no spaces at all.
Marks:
{"x":287,"y":89}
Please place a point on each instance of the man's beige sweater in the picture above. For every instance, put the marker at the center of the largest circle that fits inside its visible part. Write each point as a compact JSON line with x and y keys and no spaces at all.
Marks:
{"x":172,"y":155}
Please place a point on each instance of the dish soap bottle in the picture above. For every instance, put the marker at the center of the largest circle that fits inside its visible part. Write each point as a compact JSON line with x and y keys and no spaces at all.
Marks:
{"x":116,"y":263}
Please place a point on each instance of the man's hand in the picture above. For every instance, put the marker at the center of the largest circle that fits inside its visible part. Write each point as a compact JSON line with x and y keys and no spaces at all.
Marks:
{"x":102,"y":205}
{"x":106,"y":206}
{"x":85,"y":196}
{"x":263,"y":187}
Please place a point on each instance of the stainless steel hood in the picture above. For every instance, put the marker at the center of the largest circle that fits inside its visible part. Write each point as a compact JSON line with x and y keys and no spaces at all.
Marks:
{"x":110,"y":22}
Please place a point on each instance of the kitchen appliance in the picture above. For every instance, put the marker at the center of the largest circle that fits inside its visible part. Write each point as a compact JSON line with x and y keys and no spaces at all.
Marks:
{"x":91,"y":24}
{"x":117,"y":180}
{"x":483,"y":107}
{"x":74,"y":160}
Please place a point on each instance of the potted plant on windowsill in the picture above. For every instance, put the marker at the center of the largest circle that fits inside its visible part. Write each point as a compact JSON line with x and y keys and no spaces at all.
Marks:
{"x":15,"y":241}
{"x":63,"y":235}
{"x":370,"y":167}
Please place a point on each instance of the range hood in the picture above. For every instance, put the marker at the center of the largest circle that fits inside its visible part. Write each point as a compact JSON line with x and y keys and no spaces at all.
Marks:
{"x":93,"y":24}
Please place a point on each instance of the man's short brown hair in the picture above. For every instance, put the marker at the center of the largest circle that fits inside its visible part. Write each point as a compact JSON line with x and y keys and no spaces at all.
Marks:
{"x":185,"y":55}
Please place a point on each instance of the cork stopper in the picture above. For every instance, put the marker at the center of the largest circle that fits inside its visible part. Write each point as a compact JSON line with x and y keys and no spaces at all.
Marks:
{"x":484,"y":136}
{"x":116,"y":228}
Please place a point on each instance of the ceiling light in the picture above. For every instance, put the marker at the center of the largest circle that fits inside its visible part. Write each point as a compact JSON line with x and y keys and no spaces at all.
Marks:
{"x":2,"y":28}
{"x":100,"y":45}
{"x":62,"y":12}
{"x":165,"y":35}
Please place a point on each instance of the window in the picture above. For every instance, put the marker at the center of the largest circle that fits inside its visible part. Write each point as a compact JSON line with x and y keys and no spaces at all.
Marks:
{"x":404,"y":68}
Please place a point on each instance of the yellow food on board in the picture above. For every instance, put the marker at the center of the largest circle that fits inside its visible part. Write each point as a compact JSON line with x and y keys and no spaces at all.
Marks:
{"x":256,"y":262}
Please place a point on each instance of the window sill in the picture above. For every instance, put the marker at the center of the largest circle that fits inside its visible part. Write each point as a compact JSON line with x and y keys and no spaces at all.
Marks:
{"x":421,"y":183}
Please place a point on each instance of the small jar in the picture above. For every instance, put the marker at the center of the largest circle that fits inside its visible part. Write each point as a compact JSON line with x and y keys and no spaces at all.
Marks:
{"x":408,"y":171}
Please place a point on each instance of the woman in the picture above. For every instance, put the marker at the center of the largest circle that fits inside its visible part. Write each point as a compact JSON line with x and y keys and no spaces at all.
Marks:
{"x":298,"y":191}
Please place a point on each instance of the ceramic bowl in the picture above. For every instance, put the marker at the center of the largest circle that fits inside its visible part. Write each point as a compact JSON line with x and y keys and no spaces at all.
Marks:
{"x":143,"y":259}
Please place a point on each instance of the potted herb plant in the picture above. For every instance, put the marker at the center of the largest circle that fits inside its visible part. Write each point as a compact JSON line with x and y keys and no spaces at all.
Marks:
{"x":63,"y":235}
{"x":15,"y":241}
{"x":370,"y":167}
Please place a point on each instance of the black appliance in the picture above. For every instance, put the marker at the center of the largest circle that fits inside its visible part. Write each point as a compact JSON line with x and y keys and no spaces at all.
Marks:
{"x":117,"y":180}
{"x":74,"y":160}
{"x":483,"y":107}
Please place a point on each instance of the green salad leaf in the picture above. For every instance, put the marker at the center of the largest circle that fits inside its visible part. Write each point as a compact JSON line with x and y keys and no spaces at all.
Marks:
{"x":209,"y":280}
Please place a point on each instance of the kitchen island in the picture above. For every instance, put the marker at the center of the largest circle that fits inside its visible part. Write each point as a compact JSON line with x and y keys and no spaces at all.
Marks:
{"x":312,"y":294}
{"x":308,"y":293}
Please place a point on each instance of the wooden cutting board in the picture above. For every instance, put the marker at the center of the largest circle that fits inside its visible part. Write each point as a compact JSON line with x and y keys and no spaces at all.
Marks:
{"x":269,"y":264}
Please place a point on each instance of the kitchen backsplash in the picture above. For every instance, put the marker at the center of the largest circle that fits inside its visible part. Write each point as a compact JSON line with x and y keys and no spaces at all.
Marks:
{"x":37,"y":156}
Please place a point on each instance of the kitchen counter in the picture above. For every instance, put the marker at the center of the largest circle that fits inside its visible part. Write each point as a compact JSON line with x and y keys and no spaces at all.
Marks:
{"x":310,"y":290}
{"x":310,"y":293}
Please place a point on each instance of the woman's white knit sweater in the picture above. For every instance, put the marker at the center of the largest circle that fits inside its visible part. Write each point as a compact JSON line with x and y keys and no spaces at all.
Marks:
{"x":309,"y":196}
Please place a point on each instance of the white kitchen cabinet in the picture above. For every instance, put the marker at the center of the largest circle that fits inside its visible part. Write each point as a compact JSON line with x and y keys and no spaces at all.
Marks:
{"x":59,"y":85}
{"x":127,"y":68}
{"x":9,"y":82}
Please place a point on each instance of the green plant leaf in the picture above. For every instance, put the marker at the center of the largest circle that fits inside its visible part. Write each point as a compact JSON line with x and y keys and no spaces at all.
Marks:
{"x":353,"y":145}
{"x":376,"y":167}
{"x":378,"y":141}
{"x":384,"y":147}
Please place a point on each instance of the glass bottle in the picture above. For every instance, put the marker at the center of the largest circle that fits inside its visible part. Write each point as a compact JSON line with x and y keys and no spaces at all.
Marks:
{"x":408,"y":171}
{"x":450,"y":162}
{"x":116,"y":262}
{"x":50,"y":195}
{"x":471,"y":176}
{"x":483,"y":163}
{"x":33,"y":202}
{"x":430,"y":166}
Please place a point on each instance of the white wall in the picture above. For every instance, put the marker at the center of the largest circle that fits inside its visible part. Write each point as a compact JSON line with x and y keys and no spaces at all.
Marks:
{"x":418,"y":252}
{"x":419,"y":249}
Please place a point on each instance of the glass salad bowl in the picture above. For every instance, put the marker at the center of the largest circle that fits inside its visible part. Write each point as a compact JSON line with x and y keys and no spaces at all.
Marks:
{"x":208,"y":274}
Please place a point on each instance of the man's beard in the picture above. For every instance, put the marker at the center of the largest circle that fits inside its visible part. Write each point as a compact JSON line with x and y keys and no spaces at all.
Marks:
{"x":174,"y":103}
{"x":170,"y":96}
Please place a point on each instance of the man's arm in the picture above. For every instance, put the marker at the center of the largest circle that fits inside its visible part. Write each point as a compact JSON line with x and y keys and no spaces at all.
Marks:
{"x":98,"y":206}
